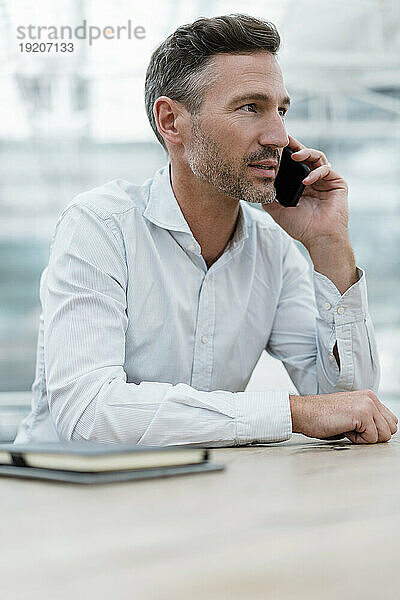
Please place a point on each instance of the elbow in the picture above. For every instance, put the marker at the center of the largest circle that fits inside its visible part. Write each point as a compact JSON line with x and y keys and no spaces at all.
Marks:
{"x":72,"y":419}
{"x":77,"y":406}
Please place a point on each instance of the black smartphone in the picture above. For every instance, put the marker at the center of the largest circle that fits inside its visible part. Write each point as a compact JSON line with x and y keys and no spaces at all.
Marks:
{"x":288,"y":180}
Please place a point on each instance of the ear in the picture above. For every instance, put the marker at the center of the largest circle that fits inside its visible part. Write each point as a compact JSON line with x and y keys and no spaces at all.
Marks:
{"x":168,"y":114}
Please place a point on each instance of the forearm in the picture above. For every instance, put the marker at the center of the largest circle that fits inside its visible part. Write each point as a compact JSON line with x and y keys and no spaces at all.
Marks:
{"x":335,"y":260}
{"x":296,"y":411}
{"x":162,"y":414}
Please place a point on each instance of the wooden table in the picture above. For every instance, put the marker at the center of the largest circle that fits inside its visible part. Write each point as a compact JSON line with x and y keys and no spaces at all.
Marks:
{"x":301,"y":519}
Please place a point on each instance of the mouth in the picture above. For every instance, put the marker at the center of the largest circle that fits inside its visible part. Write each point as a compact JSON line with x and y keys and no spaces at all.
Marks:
{"x":265,"y":169}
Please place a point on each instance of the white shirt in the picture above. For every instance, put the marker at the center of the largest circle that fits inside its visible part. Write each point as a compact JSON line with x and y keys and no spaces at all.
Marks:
{"x":139,"y":342}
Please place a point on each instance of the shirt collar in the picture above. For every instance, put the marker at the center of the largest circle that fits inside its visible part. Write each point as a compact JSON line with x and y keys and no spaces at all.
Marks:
{"x":163,"y":209}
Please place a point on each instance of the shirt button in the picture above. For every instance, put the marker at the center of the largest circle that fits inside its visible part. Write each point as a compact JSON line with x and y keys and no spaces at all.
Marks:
{"x":192,"y":247}
{"x":331,"y":357}
{"x":204,"y":339}
{"x":327,"y":306}
{"x":340,"y":310}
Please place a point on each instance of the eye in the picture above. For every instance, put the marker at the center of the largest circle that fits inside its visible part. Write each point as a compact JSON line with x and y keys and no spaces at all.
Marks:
{"x":252,"y":105}
{"x":282,"y":112}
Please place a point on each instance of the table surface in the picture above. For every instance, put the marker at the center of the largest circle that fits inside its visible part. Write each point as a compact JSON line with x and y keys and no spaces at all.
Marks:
{"x":300,"y":519}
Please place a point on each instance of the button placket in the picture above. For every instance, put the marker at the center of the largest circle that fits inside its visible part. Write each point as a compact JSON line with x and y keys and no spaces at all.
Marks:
{"x":203,"y":351}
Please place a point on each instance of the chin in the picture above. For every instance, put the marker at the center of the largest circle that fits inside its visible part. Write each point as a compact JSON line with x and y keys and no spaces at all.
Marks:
{"x":265,"y":196}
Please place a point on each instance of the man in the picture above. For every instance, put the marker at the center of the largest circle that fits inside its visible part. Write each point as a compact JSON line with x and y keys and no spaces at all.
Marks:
{"x":159,"y":299}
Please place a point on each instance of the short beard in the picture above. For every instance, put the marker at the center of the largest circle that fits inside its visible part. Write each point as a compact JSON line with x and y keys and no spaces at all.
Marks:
{"x":206,"y":161}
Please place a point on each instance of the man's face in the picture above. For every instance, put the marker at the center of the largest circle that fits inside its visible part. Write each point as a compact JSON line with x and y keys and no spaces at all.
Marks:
{"x":241,"y":122}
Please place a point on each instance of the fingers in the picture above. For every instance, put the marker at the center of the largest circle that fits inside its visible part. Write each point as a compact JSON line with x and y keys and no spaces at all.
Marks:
{"x":366,"y":432}
{"x":318,"y":173}
{"x":356,"y":438}
{"x":387,"y":414}
{"x":311,"y":157}
{"x":371,"y":431}
{"x":295,"y":144}
{"x":389,"y":417}
{"x":353,"y":437}
{"x":370,"y":420}
{"x":382,"y":426}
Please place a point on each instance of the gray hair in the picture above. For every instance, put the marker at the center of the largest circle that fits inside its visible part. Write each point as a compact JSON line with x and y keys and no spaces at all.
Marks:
{"x":181,"y":67}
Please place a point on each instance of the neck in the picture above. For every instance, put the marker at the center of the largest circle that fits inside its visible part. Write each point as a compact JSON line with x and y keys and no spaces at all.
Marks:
{"x":210,"y":214}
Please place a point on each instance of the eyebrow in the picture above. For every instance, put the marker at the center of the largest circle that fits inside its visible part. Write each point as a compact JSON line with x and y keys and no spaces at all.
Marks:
{"x":257,"y":96}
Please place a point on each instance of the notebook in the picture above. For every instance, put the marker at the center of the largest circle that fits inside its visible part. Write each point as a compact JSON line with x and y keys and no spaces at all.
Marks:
{"x":90,"y":462}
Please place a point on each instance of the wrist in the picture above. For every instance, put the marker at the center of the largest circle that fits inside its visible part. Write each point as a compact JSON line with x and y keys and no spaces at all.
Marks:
{"x":335,"y":260}
{"x":295,"y":411}
{"x":328,"y":244}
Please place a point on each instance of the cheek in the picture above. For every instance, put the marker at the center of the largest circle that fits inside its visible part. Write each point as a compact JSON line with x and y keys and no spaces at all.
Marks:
{"x":240,"y":137}
{"x":234,"y":140}
{"x":225,"y":131}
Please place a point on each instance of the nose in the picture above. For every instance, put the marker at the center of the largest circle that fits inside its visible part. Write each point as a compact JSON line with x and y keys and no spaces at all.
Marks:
{"x":273,"y":132}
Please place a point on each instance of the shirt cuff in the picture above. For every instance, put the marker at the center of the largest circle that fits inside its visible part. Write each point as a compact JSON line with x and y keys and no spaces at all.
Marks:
{"x":335,"y":309}
{"x":262,"y":417}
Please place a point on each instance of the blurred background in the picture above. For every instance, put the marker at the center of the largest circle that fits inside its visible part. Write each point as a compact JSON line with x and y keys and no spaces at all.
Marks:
{"x":71,"y":121}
